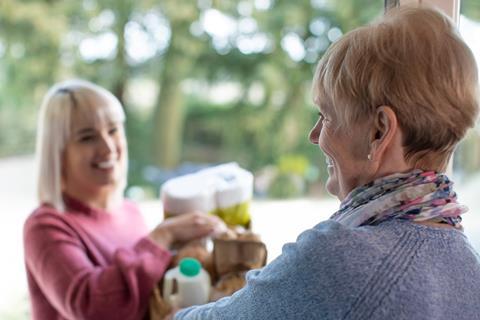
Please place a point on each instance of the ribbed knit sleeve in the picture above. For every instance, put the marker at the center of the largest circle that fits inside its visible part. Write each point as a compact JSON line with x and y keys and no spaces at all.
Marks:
{"x":81,"y":284}
{"x":309,"y":272}
{"x":397,"y":270}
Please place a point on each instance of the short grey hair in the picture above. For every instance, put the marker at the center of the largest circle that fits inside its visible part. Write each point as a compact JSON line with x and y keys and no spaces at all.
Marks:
{"x":413,"y":60}
{"x":54,"y":129}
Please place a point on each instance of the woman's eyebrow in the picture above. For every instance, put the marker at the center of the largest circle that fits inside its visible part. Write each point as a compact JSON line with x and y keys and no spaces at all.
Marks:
{"x":322,"y":104}
{"x":321,"y":107}
{"x":83,"y":131}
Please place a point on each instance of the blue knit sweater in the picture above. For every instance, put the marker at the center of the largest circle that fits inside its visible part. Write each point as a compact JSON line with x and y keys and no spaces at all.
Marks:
{"x":396,"y":270}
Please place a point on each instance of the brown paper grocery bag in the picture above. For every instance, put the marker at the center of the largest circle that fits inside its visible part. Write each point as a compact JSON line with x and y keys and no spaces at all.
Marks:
{"x":238,"y":255}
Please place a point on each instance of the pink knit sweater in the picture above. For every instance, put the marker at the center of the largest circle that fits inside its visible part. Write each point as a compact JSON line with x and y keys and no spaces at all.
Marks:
{"x":90,"y":264}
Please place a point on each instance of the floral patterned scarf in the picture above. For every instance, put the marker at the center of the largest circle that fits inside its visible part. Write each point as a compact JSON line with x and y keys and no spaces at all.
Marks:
{"x":417,"y":195}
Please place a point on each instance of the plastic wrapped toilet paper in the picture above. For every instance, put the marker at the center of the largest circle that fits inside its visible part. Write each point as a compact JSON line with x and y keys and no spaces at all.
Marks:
{"x":225,"y":190}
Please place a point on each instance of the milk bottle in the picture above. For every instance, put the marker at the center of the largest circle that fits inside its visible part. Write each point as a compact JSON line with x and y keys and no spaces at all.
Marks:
{"x":186,"y":285}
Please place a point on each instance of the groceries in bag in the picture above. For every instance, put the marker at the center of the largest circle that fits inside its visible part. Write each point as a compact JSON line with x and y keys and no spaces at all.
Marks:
{"x":224,"y":190}
{"x":187,"y":284}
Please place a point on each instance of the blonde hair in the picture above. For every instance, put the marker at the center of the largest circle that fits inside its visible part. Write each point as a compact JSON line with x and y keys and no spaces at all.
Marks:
{"x":414,"y":61}
{"x":54,"y":129}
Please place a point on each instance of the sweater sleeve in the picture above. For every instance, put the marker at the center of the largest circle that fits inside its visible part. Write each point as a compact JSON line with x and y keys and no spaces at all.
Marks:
{"x":78,"y":288}
{"x":311,"y":274}
{"x":397,"y":270}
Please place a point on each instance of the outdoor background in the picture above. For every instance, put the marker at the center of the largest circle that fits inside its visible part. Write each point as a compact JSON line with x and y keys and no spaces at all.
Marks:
{"x":202,"y":82}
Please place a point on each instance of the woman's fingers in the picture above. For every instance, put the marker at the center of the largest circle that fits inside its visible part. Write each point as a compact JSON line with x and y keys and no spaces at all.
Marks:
{"x":205,"y":225}
{"x":219,"y":226}
{"x":193,"y":225}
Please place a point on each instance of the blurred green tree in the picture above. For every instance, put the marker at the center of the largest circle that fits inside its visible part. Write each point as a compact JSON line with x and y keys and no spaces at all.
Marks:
{"x":29,"y":43}
{"x":166,"y":60}
{"x":471,"y":9}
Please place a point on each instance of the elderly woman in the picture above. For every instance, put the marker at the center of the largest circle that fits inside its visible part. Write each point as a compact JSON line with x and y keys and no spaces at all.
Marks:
{"x":394,"y":99}
{"x":88,"y":252}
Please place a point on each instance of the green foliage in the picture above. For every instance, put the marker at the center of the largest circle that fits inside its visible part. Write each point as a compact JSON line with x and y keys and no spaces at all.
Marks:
{"x":29,"y":41}
{"x":291,"y":175}
{"x":471,"y":9}
{"x":467,"y":155}
{"x":293,"y":164}
{"x":286,"y":186}
{"x":42,"y":42}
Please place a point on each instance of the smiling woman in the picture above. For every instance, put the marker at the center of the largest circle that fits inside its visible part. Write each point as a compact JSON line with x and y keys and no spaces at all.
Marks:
{"x":88,"y":252}
{"x":95,"y":156}
{"x":87,"y":122}
{"x":395,"y":98}
{"x":344,"y":151}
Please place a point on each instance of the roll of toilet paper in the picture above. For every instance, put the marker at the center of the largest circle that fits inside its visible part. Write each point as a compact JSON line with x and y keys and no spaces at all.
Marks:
{"x":225,"y":190}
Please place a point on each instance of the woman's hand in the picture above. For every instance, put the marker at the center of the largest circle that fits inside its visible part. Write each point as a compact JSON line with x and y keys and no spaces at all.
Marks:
{"x":186,"y":227}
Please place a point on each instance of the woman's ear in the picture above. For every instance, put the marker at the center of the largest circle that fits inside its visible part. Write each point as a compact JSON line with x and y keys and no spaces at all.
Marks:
{"x":385,"y":126}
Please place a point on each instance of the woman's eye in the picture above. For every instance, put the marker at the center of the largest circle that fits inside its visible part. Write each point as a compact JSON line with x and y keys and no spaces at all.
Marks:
{"x":87,"y":138}
{"x":113,"y":130}
{"x":321,"y":116}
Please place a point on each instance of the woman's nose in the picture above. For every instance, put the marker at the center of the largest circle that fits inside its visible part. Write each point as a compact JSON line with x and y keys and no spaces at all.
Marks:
{"x":315,"y":133}
{"x":107,"y":144}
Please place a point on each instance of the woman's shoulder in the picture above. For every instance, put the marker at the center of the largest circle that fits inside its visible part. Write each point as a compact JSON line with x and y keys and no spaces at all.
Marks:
{"x":42,"y":213}
{"x":46,"y":224}
{"x":342,"y":244}
{"x":352,"y":253}
{"x":333,"y":234}
{"x":393,"y":230}
{"x":331,"y":245}
{"x":45,"y":215}
{"x":370,"y":245}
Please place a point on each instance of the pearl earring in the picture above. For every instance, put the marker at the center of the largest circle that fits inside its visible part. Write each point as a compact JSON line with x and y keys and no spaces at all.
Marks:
{"x":369,"y":157}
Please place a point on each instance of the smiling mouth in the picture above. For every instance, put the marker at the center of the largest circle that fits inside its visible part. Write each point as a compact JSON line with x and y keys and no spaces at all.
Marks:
{"x":329,"y":161}
{"x":105,"y":164}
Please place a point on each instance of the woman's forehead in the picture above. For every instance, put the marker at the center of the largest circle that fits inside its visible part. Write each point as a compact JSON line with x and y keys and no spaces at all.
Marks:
{"x":95,"y":118}
{"x":95,"y":112}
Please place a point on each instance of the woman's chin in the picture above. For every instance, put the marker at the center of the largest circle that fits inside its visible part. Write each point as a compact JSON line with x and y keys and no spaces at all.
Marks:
{"x":332,"y":186}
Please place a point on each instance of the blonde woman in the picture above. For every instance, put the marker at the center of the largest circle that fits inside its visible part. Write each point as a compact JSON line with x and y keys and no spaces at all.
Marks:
{"x":88,"y":252}
{"x":394,"y":99}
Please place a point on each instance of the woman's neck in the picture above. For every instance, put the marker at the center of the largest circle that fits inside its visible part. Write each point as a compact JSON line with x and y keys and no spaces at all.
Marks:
{"x":105,"y":199}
